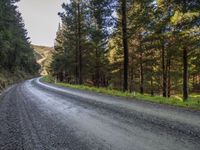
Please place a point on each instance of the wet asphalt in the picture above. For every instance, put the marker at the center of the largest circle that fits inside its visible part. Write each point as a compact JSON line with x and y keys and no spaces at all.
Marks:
{"x":40,"y":116}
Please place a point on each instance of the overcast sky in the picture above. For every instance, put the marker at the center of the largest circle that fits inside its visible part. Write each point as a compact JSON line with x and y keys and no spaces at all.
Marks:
{"x":41,"y":19}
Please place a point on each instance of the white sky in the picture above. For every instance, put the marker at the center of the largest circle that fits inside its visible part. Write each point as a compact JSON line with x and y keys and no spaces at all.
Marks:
{"x":41,"y":19}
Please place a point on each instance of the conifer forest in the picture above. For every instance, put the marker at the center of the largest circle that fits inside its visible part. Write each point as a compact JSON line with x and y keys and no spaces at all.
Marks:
{"x":131,"y":45}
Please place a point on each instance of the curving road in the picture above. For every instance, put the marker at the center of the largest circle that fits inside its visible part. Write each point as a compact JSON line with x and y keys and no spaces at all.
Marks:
{"x":38,"y":116}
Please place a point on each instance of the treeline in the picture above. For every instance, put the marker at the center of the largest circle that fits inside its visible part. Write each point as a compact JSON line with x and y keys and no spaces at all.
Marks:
{"x":133,"y":45}
{"x":16,"y":54}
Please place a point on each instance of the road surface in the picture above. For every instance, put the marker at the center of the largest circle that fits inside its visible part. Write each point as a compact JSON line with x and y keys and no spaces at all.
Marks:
{"x":38,"y":116}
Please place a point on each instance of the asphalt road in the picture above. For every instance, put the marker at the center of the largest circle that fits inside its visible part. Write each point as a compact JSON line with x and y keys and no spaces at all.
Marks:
{"x":37,"y":116}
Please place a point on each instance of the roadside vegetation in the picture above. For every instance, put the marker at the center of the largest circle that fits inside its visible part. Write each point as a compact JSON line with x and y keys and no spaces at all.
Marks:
{"x":175,"y":100}
{"x":8,"y":78}
{"x":17,"y":60}
{"x":132,"y":46}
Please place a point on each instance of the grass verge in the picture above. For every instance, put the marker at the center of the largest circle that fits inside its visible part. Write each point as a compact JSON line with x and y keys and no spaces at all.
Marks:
{"x":192,"y":103}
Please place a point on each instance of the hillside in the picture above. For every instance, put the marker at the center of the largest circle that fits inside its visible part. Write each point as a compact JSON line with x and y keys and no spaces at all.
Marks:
{"x":44,"y":56}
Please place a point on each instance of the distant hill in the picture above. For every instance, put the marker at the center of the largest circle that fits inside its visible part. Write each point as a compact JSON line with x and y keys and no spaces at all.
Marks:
{"x":44,"y":57}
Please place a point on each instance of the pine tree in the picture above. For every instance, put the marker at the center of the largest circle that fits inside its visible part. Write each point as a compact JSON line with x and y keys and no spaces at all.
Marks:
{"x":186,"y":21}
{"x":15,"y":49}
{"x":125,"y":42}
{"x":100,"y":17}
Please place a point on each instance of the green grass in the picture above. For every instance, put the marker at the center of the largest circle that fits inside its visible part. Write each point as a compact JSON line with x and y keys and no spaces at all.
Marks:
{"x":192,"y":103}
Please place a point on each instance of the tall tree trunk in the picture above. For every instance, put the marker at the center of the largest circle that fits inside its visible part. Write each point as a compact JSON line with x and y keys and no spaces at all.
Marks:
{"x":120,"y":77}
{"x":79,"y":44}
{"x":185,"y":75}
{"x":164,"y":76}
{"x":97,"y":75}
{"x":141,"y":74}
{"x":152,"y":87}
{"x":131,"y":80}
{"x":61,"y":76}
{"x":169,"y":77}
{"x":185,"y":64}
{"x":76,"y":62}
{"x":77,"y":51}
{"x":125,"y":43}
